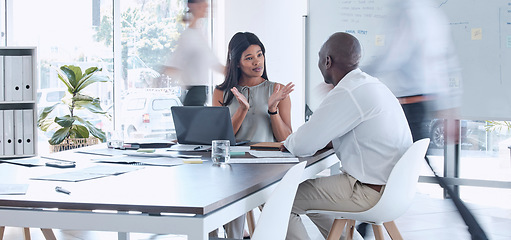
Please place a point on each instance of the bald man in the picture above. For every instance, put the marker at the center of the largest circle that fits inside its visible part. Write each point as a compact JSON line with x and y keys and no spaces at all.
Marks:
{"x":364,"y":123}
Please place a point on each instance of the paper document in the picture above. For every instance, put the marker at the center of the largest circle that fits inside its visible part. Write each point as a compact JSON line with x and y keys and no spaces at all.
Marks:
{"x":13,"y":189}
{"x":161,"y":153}
{"x":70,"y":176}
{"x":109,"y":169}
{"x":264,"y":160}
{"x":271,"y":154}
{"x":27,"y":162}
{"x":189,"y":148}
{"x":103,"y":152}
{"x":240,"y":148}
{"x":89,"y":173}
{"x":155,"y":161}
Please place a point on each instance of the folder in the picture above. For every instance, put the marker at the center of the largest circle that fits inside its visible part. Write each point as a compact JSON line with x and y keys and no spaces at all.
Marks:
{"x":12,"y":78}
{"x":18,"y":132}
{"x":267,"y":146}
{"x":28,"y":132}
{"x":27,"y":79}
{"x":2,"y":80}
{"x":1,"y":132}
{"x":9,"y":132}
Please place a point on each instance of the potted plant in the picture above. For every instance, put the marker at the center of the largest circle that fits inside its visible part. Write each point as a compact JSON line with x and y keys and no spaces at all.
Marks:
{"x":71,"y":129}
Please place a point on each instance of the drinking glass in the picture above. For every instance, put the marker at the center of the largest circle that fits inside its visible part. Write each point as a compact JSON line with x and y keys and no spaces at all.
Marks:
{"x":115,"y":139}
{"x":220,"y":151}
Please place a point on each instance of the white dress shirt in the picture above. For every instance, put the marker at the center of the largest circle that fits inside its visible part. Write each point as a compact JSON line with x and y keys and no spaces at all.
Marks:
{"x":365,"y":123}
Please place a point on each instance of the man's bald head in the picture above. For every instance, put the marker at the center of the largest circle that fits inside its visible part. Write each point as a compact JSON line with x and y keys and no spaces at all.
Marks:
{"x":339,"y":55}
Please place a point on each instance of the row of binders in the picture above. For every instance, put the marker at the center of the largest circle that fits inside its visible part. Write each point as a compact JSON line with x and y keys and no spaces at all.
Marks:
{"x":17,"y":132}
{"x":16,"y":82}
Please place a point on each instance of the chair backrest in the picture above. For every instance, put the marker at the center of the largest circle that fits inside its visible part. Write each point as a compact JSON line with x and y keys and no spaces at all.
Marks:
{"x":401,"y":185}
{"x":274,"y":218}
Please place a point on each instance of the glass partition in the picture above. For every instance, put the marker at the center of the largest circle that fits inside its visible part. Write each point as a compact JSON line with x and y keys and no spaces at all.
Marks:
{"x":144,"y":94}
{"x":82,"y":34}
{"x":64,"y":34}
{"x":486,"y":155}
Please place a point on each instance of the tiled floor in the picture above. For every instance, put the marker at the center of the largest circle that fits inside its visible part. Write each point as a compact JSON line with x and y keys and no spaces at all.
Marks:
{"x":431,"y":218}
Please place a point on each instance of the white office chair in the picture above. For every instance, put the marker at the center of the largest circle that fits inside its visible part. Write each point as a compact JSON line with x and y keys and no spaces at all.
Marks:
{"x":274,"y":218}
{"x":394,"y":202}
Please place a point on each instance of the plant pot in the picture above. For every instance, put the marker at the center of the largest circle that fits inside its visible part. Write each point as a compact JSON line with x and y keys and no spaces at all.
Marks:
{"x":72,"y":143}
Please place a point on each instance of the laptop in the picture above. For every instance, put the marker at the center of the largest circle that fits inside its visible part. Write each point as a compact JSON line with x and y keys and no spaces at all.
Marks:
{"x":201,"y":125}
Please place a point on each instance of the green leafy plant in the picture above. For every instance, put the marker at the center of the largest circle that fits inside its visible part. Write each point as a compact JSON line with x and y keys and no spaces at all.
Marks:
{"x":497,"y":125}
{"x":71,"y":125}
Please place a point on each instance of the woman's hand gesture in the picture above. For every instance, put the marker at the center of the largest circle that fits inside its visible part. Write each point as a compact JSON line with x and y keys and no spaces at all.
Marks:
{"x":242,"y":100}
{"x":278,"y":95}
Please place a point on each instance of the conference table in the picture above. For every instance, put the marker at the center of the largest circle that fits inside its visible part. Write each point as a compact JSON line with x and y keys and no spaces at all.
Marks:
{"x":187,"y":199}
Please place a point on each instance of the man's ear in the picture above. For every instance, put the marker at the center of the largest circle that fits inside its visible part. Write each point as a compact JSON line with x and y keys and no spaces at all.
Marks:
{"x":328,"y":62}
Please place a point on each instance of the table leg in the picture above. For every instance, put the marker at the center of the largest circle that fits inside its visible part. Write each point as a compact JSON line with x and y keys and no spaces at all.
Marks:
{"x":48,"y":234}
{"x":123,"y":236}
{"x":251,"y":222}
{"x":26,"y":233}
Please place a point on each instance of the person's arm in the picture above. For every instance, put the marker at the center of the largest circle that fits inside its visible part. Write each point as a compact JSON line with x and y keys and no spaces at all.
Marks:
{"x":241,"y":112}
{"x":218,"y":98}
{"x":280,"y":102}
{"x":336,"y":115}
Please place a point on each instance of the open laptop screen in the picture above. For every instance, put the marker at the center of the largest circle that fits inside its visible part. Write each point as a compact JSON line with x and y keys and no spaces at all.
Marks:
{"x":201,"y":125}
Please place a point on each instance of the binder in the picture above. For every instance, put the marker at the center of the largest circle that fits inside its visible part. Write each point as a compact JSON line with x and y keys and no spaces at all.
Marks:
{"x":18,"y":132}
{"x":9,"y":132}
{"x":27,"y":80}
{"x":1,"y":132}
{"x":28,"y":132}
{"x":2,"y":80}
{"x":12,"y":78}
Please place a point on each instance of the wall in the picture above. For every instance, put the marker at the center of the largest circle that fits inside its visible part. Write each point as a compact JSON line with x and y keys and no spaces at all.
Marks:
{"x":279,"y":25}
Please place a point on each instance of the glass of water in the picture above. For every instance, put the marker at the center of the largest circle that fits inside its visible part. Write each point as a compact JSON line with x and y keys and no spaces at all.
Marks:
{"x":115,"y":139}
{"x":220,"y":151}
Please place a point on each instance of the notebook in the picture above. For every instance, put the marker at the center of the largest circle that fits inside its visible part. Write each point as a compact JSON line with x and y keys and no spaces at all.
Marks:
{"x":201,"y":125}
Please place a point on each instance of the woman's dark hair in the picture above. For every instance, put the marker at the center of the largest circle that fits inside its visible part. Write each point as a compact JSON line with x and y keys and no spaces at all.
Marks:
{"x":238,"y":44}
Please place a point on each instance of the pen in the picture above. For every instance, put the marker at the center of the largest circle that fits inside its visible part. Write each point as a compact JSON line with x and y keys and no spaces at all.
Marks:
{"x":62,"y":190}
{"x":197,"y":148}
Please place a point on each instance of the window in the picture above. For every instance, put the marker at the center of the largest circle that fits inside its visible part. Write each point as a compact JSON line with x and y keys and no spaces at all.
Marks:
{"x":135,"y":104}
{"x":161,"y":104}
{"x":82,"y":34}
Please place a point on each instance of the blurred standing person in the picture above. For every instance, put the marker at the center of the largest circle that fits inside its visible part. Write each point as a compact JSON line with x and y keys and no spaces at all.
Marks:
{"x":418,"y":61}
{"x":417,"y":64}
{"x":193,"y":58}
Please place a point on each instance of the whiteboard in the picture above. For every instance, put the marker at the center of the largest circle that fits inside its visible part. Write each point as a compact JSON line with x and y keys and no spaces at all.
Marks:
{"x":481,"y":32}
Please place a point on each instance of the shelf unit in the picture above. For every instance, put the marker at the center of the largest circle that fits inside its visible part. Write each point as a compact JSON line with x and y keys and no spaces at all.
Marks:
{"x":18,"y":102}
